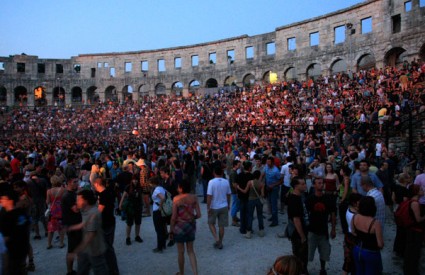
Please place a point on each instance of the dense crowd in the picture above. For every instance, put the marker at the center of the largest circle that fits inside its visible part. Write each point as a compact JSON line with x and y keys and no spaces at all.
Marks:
{"x":267,"y":141}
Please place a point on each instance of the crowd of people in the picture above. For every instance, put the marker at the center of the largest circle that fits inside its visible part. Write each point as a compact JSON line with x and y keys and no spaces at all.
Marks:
{"x":311,"y":148}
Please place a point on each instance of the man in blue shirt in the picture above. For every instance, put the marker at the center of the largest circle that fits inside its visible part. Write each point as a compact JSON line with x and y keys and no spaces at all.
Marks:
{"x":273,"y":181}
{"x":364,"y":171}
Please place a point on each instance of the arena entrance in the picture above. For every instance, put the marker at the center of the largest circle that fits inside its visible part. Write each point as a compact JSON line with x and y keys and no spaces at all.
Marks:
{"x":21,"y":95}
{"x":40,"y":96}
{"x":394,"y":57}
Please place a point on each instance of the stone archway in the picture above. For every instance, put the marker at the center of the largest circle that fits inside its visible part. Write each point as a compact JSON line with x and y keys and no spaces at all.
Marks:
{"x":127,"y":93}
{"x":291,"y":74}
{"x":40,"y":96}
{"x":111,"y":94}
{"x":143,"y":92}
{"x":230,"y":81}
{"x":266,"y":77}
{"x":3,"y":96}
{"x":194,"y":86}
{"x":92,"y":95}
{"x":248,"y":80}
{"x":339,"y":66}
{"x":211,"y":83}
{"x":76,"y":95}
{"x":21,"y":95}
{"x":314,"y":71}
{"x":394,"y":56}
{"x":177,"y":88}
{"x":365,"y":62}
{"x":160,"y":89}
{"x":58,"y":96}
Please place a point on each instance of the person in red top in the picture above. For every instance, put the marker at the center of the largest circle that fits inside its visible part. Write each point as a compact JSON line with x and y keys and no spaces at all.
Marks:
{"x":15,"y":163}
{"x":50,"y":161}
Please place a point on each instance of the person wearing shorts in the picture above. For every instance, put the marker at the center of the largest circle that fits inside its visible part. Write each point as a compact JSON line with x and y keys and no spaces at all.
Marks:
{"x":71,"y":215}
{"x":320,"y":208}
{"x":218,"y":204}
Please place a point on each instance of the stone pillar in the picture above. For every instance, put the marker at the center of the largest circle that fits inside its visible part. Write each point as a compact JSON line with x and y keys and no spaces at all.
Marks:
{"x":326,"y":72}
{"x":30,"y":98}
{"x":10,"y":97}
{"x":68,"y":97}
{"x":135,"y":96}
{"x":302,"y":76}
{"x":185,"y":92}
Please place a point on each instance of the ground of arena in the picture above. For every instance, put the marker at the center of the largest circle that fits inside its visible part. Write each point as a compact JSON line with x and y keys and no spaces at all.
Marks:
{"x":239,"y":255}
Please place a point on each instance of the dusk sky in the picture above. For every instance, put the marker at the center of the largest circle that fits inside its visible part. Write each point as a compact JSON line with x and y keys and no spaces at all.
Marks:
{"x":61,"y":29}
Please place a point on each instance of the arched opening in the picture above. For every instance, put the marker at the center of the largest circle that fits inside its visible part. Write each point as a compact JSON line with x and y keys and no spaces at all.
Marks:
{"x":339,"y":66}
{"x":160,"y":89}
{"x":143,"y":93}
{"x":290,"y":74}
{"x":248,"y":80}
{"x":211,"y":83}
{"x":59,"y":96}
{"x":21,"y":95}
{"x":111,"y":94}
{"x":366,"y":62}
{"x":266,"y":77}
{"x":194,"y":86}
{"x":127,"y":93}
{"x":40,"y":96}
{"x":422,"y":53}
{"x":314,"y":71}
{"x":394,"y":56}
{"x":177,"y":88}
{"x":92,"y":95}
{"x":3,"y":95}
{"x":230,"y":81}
{"x":76,"y":95}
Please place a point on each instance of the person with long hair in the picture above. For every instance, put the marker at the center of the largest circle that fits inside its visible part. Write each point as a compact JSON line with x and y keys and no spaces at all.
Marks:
{"x":370,"y":240}
{"x":53,"y":200}
{"x":286,"y":265}
{"x":158,"y":198}
{"x":183,"y":224}
{"x":344,"y":195}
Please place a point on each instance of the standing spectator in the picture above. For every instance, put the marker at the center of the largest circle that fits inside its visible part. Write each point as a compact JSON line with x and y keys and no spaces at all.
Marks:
{"x":158,"y":198}
{"x":91,"y":250}
{"x":273,"y":181}
{"x":371,"y":191}
{"x":218,"y":204}
{"x":235,"y":200}
{"x":420,"y":180}
{"x":286,"y":186}
{"x":255,"y":189}
{"x":53,"y":201}
{"x":106,"y":207}
{"x":320,"y":209}
{"x":71,"y":215}
{"x":364,"y":171}
{"x":15,"y":228}
{"x":242,"y":180}
{"x":370,"y":241}
{"x":37,"y":188}
{"x":132,"y":204}
{"x":414,"y":233}
{"x":183,"y":224}
{"x":297,"y":213}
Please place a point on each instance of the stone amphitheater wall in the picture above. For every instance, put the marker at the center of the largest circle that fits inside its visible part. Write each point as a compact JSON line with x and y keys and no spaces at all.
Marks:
{"x":396,"y":35}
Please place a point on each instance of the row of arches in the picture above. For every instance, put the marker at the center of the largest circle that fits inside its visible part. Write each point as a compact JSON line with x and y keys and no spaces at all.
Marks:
{"x":59,"y":96}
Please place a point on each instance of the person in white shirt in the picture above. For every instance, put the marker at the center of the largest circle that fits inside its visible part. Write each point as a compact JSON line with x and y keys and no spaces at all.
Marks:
{"x":218,"y":204}
{"x":285,"y":171}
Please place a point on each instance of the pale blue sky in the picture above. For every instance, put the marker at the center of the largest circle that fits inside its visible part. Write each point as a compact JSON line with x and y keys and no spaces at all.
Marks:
{"x":65,"y":28}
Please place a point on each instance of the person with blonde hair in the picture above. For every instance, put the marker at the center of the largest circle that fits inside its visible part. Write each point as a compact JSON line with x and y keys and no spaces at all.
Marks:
{"x":53,"y":200}
{"x":286,"y":265}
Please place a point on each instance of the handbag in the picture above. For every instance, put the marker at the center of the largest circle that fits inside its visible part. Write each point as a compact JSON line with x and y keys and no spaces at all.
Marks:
{"x":48,"y":213}
{"x":262,"y":200}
